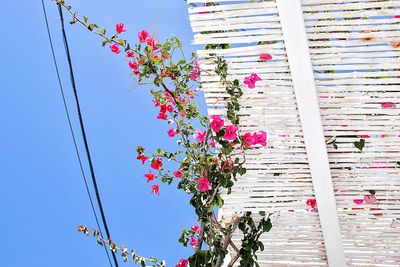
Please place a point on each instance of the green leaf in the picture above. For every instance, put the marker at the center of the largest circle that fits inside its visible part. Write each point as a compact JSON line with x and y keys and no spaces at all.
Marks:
{"x":360,"y":144}
{"x":85,"y":19}
{"x":102,"y":31}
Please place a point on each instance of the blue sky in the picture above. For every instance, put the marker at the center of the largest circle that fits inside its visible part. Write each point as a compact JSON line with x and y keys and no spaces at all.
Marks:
{"x":42,"y":195}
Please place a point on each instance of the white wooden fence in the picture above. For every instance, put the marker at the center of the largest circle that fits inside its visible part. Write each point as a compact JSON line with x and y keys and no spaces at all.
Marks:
{"x":334,"y":74}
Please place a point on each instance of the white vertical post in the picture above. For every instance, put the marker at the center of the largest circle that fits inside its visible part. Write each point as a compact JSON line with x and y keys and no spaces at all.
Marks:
{"x":295,"y":38}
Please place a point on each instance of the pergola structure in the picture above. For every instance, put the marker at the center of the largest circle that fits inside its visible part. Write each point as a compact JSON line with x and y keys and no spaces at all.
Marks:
{"x":330,"y":102}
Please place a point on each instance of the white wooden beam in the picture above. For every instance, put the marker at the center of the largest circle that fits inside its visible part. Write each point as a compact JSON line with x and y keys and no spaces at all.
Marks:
{"x":295,"y":38}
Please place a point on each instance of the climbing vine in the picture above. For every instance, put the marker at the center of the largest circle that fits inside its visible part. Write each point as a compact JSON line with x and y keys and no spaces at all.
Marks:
{"x":209,"y":158}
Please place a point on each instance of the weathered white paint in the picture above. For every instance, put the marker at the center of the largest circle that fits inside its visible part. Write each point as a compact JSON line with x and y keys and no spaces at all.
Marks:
{"x":295,"y":39}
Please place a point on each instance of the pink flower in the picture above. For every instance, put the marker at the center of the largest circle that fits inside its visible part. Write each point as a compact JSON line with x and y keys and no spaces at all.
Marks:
{"x":217,"y":123}
{"x":162,"y":116}
{"x":388,"y":105}
{"x":370,"y":199}
{"x":195,"y":228}
{"x":120,"y":28}
{"x":155,"y":189}
{"x":152,"y":43}
{"x":133,"y":65}
{"x":204,"y":184}
{"x":193,"y":74}
{"x":230,"y":132}
{"x":171,"y":132}
{"x":265,"y":57}
{"x":251,"y":80}
{"x":260,"y":138}
{"x":150,"y":176}
{"x":143,"y":35}
{"x":195,"y":71}
{"x":178,"y":173}
{"x":200,"y":136}
{"x":115,"y":48}
{"x":156,"y":103}
{"x":213,"y":143}
{"x":193,"y":242}
{"x":156,"y":164}
{"x":397,"y":17}
{"x":311,"y":202}
{"x":358,"y":201}
{"x":249,"y":139}
{"x":169,"y":97}
{"x":143,"y":158}
{"x":182,"y":263}
{"x":130,"y":53}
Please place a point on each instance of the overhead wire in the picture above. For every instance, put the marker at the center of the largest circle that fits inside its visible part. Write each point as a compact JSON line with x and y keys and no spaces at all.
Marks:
{"x":82,"y":129}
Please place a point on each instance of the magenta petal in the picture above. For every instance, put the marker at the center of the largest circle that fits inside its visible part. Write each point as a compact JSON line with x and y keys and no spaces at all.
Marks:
{"x":358,"y":201}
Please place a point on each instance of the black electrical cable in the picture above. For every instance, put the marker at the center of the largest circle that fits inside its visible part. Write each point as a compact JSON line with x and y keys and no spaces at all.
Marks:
{"x":71,"y":128}
{"x":89,"y":158}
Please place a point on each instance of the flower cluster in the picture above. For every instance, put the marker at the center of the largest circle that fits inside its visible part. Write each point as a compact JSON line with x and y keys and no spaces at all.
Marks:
{"x":211,"y":156}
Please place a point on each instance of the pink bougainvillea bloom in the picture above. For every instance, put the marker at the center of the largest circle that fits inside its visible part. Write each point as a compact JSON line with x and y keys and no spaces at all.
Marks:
{"x":143,"y":36}
{"x":193,"y":242}
{"x":249,"y":139}
{"x":204,"y":184}
{"x":195,"y":228}
{"x":169,"y":97}
{"x":358,"y":201}
{"x":200,"y":136}
{"x":115,"y":48}
{"x":143,"y":158}
{"x":260,"y":138}
{"x":150,"y":176}
{"x":152,"y":43}
{"x":217,"y":123}
{"x":162,"y":116}
{"x":130,"y":53}
{"x":195,"y":71}
{"x":251,"y":80}
{"x":155,"y":189}
{"x":163,"y":108}
{"x":133,"y":65}
{"x":397,"y":17}
{"x":370,"y":199}
{"x":265,"y":57}
{"x":178,"y":173}
{"x":182,"y":263}
{"x":171,"y":132}
{"x":213,"y":143}
{"x":156,"y":103}
{"x":311,"y":202}
{"x":170,"y":108}
{"x":194,"y":74}
{"x":156,"y":164}
{"x":388,"y":105}
{"x":120,"y":28}
{"x":290,"y":210}
{"x":230,"y":132}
